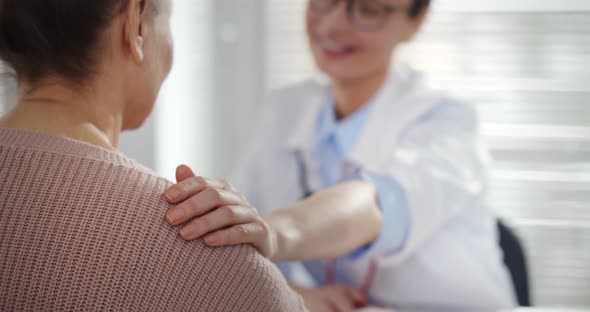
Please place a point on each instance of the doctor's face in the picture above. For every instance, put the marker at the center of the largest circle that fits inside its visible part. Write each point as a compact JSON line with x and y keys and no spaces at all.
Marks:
{"x":355,"y":40}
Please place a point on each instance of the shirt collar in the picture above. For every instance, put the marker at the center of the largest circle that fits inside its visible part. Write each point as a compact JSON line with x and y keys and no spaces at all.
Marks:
{"x":344,"y":132}
{"x":401,"y":99}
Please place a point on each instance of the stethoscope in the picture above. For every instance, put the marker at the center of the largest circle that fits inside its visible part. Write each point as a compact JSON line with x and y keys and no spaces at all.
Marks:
{"x":331,"y":265}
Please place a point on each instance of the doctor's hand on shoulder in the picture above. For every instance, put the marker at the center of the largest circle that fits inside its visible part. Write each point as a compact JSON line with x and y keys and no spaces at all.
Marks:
{"x":215,"y":211}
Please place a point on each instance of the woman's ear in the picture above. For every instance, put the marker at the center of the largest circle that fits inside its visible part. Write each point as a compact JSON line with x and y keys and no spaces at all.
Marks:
{"x":135,"y":29}
{"x":138,"y":49}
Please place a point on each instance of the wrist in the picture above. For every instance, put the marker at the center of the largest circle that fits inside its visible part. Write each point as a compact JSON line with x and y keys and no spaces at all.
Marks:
{"x":281,"y":234}
{"x":302,"y":291}
{"x":273,"y":239}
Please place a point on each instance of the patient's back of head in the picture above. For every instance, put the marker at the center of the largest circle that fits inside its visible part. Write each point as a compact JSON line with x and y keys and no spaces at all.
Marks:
{"x":81,"y":226}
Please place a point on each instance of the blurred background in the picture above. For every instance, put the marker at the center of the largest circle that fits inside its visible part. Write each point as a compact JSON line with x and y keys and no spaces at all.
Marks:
{"x":525,"y":64}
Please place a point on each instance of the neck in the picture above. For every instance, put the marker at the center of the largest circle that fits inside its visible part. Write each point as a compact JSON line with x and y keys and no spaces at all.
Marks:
{"x":351,"y":95}
{"x":93,"y":115}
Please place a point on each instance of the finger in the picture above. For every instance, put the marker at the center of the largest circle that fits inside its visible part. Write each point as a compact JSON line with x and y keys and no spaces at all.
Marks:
{"x":356,"y":296}
{"x":218,"y":219}
{"x":331,"y":305}
{"x":353,"y":294}
{"x":340,"y":303}
{"x":183,"y":172}
{"x":227,"y":185}
{"x":201,"y":203}
{"x":185,"y":188}
{"x":189,"y":187}
{"x":230,"y":187}
{"x":339,"y":296}
{"x":239,"y":234}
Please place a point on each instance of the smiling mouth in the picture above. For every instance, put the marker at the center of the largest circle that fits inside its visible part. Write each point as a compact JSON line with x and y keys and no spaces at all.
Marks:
{"x":335,"y":49}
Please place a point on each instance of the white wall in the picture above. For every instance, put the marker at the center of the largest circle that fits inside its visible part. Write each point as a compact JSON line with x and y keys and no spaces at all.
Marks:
{"x":7,"y":89}
{"x":184,"y":110}
{"x":207,"y":107}
{"x":141,"y":144}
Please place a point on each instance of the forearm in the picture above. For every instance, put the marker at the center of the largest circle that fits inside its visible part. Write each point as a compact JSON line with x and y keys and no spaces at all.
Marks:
{"x":330,"y":224}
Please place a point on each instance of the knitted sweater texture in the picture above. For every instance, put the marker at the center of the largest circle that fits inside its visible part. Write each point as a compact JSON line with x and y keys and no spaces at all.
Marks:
{"x":82,"y":229}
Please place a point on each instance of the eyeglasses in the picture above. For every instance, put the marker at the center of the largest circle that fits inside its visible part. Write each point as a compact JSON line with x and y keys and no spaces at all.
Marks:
{"x":365,"y":15}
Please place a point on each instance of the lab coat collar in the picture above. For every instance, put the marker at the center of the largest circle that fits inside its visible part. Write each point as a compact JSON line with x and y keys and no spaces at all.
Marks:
{"x":302,"y":135}
{"x":402,"y":98}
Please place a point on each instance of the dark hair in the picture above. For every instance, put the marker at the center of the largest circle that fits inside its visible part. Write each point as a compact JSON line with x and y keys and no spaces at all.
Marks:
{"x":418,"y":7}
{"x":45,"y":37}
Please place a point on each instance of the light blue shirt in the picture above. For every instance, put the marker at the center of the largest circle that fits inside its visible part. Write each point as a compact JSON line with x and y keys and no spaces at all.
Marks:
{"x":335,"y":140}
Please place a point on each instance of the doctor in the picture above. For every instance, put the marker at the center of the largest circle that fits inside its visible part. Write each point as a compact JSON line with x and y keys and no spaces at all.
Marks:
{"x":380,"y":179}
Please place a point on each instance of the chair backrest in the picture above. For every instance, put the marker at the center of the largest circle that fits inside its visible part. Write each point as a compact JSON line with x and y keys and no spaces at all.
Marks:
{"x":515,"y":260}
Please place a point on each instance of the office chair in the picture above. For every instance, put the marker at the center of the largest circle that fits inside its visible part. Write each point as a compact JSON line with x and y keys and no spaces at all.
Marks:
{"x":515,"y":260}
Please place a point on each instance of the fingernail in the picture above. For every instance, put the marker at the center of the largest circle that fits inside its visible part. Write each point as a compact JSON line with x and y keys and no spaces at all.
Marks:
{"x":211,"y":240}
{"x":173,"y":194}
{"x":175,"y":215}
{"x":187,"y":232}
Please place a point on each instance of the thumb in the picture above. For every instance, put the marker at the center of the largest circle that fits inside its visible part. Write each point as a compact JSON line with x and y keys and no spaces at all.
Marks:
{"x":183,"y":172}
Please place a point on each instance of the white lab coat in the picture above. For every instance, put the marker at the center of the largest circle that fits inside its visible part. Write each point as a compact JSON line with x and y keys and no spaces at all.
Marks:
{"x":428,"y":143}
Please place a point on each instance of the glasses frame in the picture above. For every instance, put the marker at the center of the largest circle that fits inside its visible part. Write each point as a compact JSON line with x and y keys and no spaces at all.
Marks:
{"x":350,"y":12}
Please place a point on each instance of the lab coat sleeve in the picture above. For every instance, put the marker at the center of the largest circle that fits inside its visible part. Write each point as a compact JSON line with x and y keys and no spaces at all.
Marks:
{"x":440,"y":168}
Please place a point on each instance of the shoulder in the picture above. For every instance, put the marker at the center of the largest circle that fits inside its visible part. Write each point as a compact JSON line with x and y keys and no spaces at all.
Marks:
{"x":408,"y":102}
{"x":116,"y":230}
{"x":448,"y":122}
{"x":441,"y":107}
{"x":249,"y":282}
{"x":454,"y":113}
{"x":221,"y":279}
{"x":225,"y":279}
{"x":91,"y":210}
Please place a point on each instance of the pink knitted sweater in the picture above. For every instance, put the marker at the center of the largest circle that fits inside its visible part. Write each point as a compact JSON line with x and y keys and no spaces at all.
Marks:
{"x":82,"y":228}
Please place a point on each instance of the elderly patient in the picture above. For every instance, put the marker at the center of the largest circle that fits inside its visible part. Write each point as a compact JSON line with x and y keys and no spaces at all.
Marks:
{"x":81,"y":226}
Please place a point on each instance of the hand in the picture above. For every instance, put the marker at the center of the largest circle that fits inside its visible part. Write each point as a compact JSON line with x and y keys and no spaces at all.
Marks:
{"x":333,"y":298}
{"x":216,"y":210}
